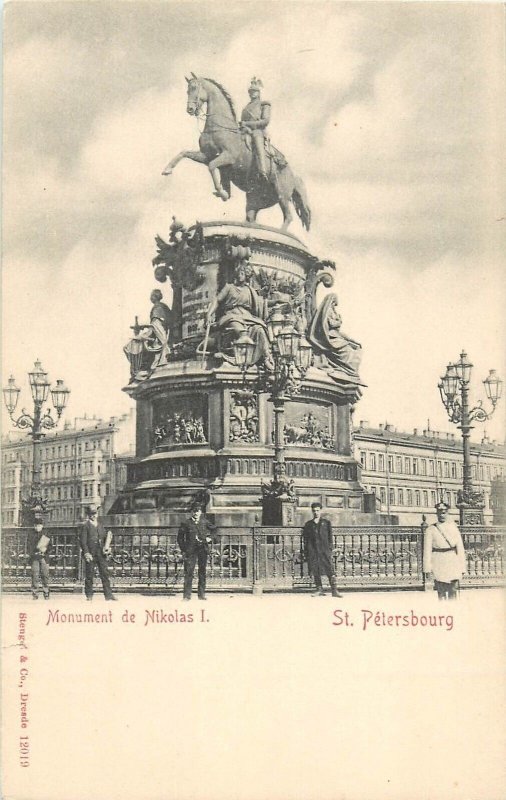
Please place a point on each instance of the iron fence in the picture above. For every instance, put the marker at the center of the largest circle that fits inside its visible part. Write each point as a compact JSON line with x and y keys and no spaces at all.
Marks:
{"x":485,"y":556}
{"x":148,"y":559}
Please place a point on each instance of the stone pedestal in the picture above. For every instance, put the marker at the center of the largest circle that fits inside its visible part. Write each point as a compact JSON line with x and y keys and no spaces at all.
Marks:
{"x":278,"y":511}
{"x":471,"y":503}
{"x":204,"y":429}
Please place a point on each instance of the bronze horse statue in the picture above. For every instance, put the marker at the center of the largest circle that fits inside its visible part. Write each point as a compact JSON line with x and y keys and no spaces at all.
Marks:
{"x":230,"y":159}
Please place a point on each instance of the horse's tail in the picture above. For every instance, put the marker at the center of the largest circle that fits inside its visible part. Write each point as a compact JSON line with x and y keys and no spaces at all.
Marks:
{"x":300,"y":201}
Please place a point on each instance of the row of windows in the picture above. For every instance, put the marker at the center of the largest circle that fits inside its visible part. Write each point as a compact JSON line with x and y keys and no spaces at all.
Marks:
{"x":9,"y":476}
{"x":57,"y":451}
{"x":18,"y":455}
{"x":24,"y":474}
{"x":68,"y":469}
{"x":408,"y":465}
{"x":415,"y":497}
{"x":67,"y":492}
{"x":63,"y":492}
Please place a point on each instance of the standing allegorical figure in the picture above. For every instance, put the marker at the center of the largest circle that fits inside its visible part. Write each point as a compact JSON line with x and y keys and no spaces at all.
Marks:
{"x":39,"y":545}
{"x":160,"y":318}
{"x":194,"y":539}
{"x":318,"y":545}
{"x":443,"y":554}
{"x":255,"y":118}
{"x":96,"y":546}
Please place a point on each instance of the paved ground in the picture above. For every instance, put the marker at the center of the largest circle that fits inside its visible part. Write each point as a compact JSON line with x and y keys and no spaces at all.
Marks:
{"x":402,"y":596}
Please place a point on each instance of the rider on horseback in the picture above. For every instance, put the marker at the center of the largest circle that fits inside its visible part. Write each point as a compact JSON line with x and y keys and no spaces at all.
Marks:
{"x":255,"y":118}
{"x":248,"y":161}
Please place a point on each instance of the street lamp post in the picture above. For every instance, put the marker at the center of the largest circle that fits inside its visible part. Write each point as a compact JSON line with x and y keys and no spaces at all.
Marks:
{"x":454,"y":390}
{"x":35,"y":424}
{"x":292,"y":356}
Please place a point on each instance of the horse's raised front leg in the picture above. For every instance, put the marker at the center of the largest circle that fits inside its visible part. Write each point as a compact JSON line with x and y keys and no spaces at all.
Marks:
{"x":225,"y":159}
{"x":194,"y":155}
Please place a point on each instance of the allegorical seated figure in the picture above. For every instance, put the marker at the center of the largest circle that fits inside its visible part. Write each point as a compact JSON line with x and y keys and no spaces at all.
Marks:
{"x":333,"y":348}
{"x":240,"y":309}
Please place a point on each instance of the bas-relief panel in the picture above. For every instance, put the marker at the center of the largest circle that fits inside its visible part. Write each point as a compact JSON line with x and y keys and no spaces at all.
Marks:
{"x":309,"y":425}
{"x":243,"y":416}
{"x":180,"y":420}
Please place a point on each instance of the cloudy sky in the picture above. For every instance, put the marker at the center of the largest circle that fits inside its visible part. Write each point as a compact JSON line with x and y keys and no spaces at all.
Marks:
{"x":392,"y":113}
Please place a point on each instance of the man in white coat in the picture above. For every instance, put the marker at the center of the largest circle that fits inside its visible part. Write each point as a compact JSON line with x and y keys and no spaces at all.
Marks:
{"x":443,"y":554}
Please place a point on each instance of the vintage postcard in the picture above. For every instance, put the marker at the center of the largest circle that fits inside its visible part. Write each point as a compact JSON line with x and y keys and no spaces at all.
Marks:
{"x":253,"y":444}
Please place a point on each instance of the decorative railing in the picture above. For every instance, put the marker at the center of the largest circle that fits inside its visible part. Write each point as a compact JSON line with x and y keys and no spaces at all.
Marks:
{"x":149,"y":559}
{"x":63,"y":557}
{"x":485,"y":550}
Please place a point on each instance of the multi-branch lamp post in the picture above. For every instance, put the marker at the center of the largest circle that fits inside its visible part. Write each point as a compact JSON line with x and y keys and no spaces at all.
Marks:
{"x":36,"y":422}
{"x":454,"y":389}
{"x":292,"y":356}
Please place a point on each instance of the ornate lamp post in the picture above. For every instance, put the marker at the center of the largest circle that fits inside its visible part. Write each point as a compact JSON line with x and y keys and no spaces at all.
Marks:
{"x":292,"y":356}
{"x":35,"y":424}
{"x":454,"y":389}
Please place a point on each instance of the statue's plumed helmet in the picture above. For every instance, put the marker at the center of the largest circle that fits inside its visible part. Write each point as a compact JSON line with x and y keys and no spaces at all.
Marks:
{"x":256,"y":83}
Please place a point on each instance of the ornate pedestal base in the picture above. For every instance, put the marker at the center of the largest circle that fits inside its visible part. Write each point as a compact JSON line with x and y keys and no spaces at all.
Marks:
{"x":471,"y":516}
{"x":471,"y":504}
{"x":278,"y":511}
{"x":204,"y":427}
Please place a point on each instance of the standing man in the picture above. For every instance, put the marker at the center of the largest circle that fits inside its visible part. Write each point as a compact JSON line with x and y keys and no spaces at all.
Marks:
{"x":318,"y":545}
{"x":194,"y":541}
{"x":96,"y":546}
{"x":38,"y":546}
{"x":255,"y":118}
{"x":443,"y":554}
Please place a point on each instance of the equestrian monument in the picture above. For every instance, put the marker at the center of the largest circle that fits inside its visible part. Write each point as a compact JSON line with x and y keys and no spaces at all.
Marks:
{"x":243,"y":379}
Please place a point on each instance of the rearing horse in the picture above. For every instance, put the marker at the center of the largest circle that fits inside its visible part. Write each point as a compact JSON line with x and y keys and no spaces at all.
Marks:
{"x":225,"y":151}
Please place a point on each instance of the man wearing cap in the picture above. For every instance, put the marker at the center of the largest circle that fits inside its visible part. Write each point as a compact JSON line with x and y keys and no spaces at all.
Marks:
{"x":38,"y":546}
{"x":96,"y":546}
{"x":318,"y":544}
{"x":443,"y":554}
{"x":255,"y":118}
{"x":195,"y":541}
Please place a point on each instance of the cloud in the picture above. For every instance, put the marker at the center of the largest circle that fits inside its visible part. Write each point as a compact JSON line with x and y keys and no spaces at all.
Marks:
{"x":389,"y":112}
{"x":412,"y":324}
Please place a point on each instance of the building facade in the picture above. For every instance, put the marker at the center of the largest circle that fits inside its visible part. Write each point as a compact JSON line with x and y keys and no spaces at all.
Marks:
{"x":83,"y":463}
{"x":498,"y":500}
{"x":408,"y":472}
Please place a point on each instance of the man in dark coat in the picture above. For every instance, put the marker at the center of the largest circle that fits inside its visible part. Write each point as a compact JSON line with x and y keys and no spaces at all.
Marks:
{"x":318,"y":545}
{"x":195,"y":541}
{"x":38,"y":547}
{"x":96,"y":546}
